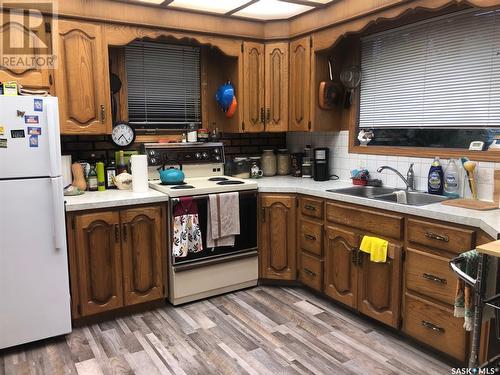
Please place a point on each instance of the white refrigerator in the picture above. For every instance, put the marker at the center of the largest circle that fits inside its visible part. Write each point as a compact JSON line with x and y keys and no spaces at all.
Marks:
{"x":34,"y":285}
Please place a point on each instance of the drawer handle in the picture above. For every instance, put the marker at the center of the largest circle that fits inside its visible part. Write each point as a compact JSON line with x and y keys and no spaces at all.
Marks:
{"x":432,"y":327}
{"x":430,"y":277}
{"x":309,"y":207}
{"x":438,"y":237}
{"x":309,"y":237}
{"x":309,"y":272}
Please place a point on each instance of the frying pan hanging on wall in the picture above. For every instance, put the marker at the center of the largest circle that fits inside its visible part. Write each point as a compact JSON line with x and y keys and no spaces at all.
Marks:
{"x":116,"y":85}
{"x":350,"y":78}
{"x":329,"y":91}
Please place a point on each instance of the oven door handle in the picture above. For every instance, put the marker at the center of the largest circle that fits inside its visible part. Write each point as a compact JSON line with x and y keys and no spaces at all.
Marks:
{"x":224,"y":259}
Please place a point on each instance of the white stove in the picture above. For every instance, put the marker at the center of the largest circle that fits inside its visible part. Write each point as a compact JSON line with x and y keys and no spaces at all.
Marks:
{"x":214,"y":270}
{"x":204,"y":185}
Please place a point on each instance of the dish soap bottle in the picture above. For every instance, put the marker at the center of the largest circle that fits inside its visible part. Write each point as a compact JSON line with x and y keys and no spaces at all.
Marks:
{"x":435,"y":179}
{"x":451,"y":180}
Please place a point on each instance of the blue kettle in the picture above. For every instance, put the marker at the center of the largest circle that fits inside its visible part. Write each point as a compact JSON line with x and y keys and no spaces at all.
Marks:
{"x":171,"y":175}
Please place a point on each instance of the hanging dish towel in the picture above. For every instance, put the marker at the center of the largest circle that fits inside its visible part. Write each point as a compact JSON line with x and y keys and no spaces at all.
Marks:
{"x":187,"y":234}
{"x":464,"y":295}
{"x":376,"y":247}
{"x":223,"y":219}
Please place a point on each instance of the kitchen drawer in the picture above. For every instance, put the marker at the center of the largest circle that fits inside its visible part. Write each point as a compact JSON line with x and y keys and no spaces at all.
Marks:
{"x":440,"y":236}
{"x":311,"y":271}
{"x":430,"y":275}
{"x":311,"y":237}
{"x":435,"y":326}
{"x":382,"y":223}
{"x":312,"y":207}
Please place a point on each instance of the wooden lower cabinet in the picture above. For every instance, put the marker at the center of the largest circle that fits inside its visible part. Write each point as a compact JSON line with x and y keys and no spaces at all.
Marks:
{"x":277,"y":249}
{"x":99,"y":259}
{"x":380,"y":286}
{"x":143,"y":259}
{"x":340,"y":279}
{"x":117,"y":258}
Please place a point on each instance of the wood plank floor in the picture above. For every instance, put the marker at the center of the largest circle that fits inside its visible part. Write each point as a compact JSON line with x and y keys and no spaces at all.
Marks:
{"x":263,"y":330}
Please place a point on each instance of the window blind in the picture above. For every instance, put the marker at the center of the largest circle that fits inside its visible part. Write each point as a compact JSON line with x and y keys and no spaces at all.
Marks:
{"x":163,"y":85}
{"x":438,"y":73}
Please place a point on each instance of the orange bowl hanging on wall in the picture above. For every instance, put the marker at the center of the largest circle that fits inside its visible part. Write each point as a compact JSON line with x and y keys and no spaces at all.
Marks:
{"x":232,"y":108}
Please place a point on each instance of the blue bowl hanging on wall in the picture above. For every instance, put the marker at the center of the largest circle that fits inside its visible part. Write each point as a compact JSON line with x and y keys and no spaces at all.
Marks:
{"x":226,"y":99}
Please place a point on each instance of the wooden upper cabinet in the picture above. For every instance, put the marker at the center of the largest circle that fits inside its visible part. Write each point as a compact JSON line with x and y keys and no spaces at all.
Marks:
{"x":253,"y":87}
{"x":276,"y":93}
{"x":277,"y":237}
{"x":340,"y":271}
{"x":82,"y":79}
{"x":35,"y":41}
{"x":143,"y":262}
{"x":380,"y":285}
{"x":300,"y":84}
{"x":98,"y":255}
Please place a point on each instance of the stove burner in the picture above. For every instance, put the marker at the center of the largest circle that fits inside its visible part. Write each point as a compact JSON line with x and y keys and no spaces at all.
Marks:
{"x":179,"y":187}
{"x":164,"y":183}
{"x":230,"y":182}
{"x":218,"y":179}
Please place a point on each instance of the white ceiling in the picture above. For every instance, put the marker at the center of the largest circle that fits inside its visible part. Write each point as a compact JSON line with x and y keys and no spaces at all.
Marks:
{"x":262,"y":10}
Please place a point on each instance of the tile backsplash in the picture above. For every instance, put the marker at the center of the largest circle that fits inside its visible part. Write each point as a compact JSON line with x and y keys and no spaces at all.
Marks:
{"x":342,"y":162}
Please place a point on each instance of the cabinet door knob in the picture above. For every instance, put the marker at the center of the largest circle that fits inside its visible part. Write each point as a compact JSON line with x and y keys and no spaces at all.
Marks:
{"x":262,"y":118}
{"x":309,"y":237}
{"x":438,"y":237}
{"x":432,"y":327}
{"x":436,"y":279}
{"x":103,"y":113}
{"x":309,"y":272}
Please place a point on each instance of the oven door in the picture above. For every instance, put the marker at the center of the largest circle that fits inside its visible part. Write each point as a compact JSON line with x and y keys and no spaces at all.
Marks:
{"x":245,"y":242}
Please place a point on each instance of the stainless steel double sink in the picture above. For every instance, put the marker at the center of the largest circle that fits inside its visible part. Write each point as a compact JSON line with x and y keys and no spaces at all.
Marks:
{"x":387,"y":194}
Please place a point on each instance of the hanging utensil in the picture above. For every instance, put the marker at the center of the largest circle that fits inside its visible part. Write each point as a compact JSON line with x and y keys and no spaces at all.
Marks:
{"x":329,"y":91}
{"x":350,"y":78}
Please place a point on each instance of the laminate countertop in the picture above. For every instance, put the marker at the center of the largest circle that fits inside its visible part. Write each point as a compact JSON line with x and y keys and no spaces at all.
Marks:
{"x":92,"y":200}
{"x":489,"y":221}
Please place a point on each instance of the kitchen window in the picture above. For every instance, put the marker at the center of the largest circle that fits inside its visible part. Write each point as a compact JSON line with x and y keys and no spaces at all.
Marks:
{"x":435,"y":83}
{"x":163,"y":85}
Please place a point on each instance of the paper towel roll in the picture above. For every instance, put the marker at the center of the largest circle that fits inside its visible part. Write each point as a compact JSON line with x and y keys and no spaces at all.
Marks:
{"x":66,"y":170}
{"x":139,"y":167}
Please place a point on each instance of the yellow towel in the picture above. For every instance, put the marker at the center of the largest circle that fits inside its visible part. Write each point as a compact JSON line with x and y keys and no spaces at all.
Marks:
{"x":376,"y":247}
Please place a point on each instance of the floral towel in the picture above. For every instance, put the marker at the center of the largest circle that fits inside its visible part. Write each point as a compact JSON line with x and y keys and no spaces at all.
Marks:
{"x":187,"y":233}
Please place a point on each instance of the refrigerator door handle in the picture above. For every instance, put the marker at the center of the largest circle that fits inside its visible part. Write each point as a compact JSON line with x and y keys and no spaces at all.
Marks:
{"x":54,"y":139}
{"x":58,"y":211}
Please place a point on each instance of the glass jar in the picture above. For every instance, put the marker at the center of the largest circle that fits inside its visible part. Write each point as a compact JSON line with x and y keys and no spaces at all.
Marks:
{"x":268,"y":163}
{"x":192,"y":133}
{"x":241,"y":167}
{"x":255,"y":169}
{"x":203,"y":135}
{"x":283,"y":162}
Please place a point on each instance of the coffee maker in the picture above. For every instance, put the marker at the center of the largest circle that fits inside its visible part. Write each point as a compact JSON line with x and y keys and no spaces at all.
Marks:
{"x":321,"y":168}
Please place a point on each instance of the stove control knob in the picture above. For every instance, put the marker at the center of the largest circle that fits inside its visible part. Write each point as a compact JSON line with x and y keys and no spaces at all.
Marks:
{"x":216,"y":151}
{"x":205,"y":155}
{"x":197,"y":156}
{"x":153,"y":161}
{"x":217,"y":157}
{"x":152,"y":153}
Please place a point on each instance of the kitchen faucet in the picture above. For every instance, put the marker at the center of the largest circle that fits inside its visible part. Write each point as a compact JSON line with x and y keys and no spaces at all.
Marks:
{"x":410,"y":176}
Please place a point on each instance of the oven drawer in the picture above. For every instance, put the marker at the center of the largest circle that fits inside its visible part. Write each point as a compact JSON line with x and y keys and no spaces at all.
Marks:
{"x":311,"y":236}
{"x":430,"y":274}
{"x":440,"y":236}
{"x":311,"y":271}
{"x":435,"y":326}
{"x":312,"y":207}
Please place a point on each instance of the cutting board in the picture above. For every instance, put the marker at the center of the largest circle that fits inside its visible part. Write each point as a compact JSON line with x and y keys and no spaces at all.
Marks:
{"x":471,"y":204}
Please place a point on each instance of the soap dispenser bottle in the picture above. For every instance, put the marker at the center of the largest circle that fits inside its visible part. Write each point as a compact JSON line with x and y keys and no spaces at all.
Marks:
{"x":451,"y":184}
{"x":435,"y":178}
